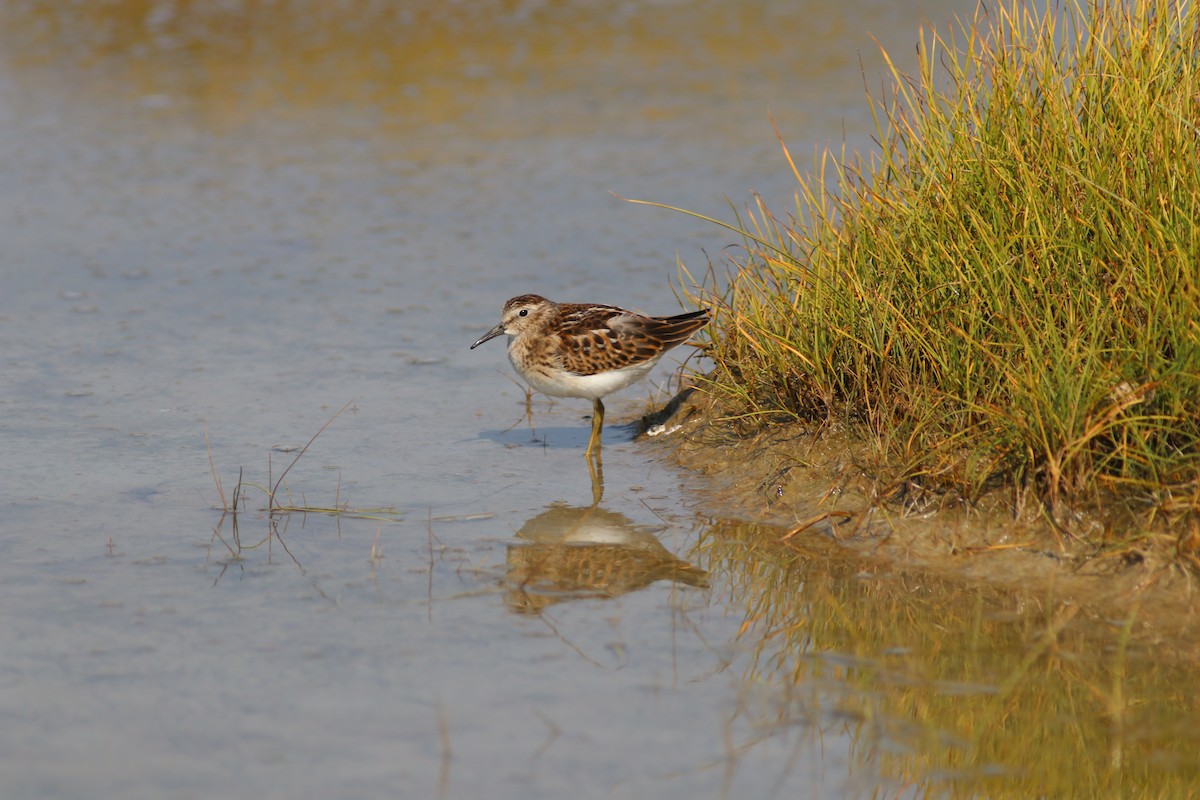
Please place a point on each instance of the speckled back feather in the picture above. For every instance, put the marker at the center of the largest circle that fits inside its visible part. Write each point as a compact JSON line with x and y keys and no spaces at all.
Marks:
{"x":602,"y":338}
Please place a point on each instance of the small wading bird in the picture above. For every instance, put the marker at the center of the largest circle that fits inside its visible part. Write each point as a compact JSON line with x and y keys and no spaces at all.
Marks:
{"x":581,"y":350}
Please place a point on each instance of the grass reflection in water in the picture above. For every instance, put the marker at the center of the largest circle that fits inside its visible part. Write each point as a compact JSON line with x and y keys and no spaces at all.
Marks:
{"x":956,"y":689}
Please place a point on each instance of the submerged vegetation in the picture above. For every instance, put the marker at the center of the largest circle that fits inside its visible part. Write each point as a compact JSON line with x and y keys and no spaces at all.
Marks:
{"x":1007,"y":294}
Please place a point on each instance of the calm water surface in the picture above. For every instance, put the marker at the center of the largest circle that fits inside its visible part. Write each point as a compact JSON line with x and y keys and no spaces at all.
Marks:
{"x":225,"y":222}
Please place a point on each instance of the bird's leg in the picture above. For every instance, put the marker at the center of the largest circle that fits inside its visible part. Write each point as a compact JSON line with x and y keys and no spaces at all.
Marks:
{"x":529,"y":414}
{"x":597,"y":422}
{"x":596,"y":468}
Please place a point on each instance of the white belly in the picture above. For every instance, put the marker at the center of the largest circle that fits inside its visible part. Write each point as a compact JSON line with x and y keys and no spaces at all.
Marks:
{"x":592,"y":387}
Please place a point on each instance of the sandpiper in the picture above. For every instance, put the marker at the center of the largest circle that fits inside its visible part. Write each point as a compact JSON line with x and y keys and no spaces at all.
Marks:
{"x":582,"y":350}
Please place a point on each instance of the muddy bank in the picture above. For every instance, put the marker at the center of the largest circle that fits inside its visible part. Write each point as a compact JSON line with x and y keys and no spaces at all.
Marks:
{"x":810,"y":485}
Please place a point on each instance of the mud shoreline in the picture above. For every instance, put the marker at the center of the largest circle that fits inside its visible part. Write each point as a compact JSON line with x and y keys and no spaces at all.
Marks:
{"x":810,"y":484}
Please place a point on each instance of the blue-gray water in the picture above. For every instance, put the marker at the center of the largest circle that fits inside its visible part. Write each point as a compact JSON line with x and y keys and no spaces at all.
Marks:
{"x":230,"y":220}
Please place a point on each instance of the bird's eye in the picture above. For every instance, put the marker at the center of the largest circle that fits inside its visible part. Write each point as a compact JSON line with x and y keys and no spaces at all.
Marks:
{"x":524,"y":312}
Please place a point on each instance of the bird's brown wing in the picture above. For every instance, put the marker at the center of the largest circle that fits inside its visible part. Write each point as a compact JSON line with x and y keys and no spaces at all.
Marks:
{"x":602,"y":338}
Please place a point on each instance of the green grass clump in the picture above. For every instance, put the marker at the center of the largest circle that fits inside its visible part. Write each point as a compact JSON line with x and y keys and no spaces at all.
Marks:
{"x":1006,"y":294}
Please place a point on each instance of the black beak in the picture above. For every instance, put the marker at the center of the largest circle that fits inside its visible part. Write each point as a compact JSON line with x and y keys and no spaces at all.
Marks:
{"x":492,"y":334}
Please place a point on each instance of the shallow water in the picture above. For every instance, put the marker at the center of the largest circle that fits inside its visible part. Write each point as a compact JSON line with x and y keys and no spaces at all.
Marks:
{"x":223,"y":223}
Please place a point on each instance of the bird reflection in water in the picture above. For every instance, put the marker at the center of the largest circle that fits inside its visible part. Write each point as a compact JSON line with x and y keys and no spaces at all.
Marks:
{"x":569,"y":553}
